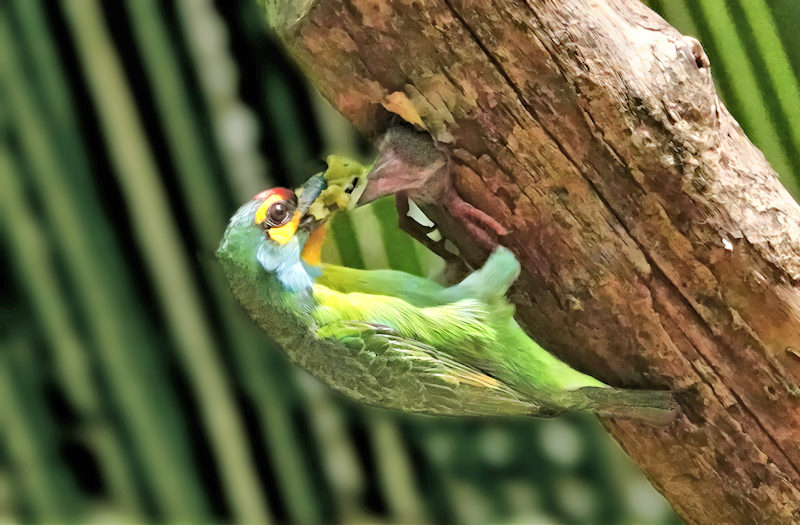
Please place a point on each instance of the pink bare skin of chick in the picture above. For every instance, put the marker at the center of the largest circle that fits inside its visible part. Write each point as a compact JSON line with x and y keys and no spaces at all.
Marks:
{"x":410,"y":166}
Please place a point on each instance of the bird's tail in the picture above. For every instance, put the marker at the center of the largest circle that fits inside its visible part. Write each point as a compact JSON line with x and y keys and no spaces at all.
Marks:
{"x":657,"y":407}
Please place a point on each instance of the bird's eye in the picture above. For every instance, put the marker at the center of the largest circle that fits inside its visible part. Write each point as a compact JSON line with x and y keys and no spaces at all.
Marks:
{"x":279,"y":214}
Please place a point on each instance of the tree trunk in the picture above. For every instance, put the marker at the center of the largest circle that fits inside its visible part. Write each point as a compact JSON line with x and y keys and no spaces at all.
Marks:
{"x":659,"y":248}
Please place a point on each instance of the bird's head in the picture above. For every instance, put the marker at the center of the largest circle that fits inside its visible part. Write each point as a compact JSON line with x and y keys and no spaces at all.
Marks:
{"x":276,"y":230}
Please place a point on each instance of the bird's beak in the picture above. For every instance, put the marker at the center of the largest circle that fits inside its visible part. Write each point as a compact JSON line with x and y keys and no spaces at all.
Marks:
{"x":387,"y":177}
{"x":309,"y":223}
{"x":310,"y":191}
{"x":407,"y":159}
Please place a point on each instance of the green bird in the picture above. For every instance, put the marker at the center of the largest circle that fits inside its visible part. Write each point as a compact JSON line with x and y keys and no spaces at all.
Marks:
{"x":394,"y":340}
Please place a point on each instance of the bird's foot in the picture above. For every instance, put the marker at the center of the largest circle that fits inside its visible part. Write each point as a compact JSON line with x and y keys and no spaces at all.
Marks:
{"x":474,"y":220}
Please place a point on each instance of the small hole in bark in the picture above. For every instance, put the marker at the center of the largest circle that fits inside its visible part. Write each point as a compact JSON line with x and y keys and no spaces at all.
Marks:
{"x":693,"y":50}
{"x":771,"y":391}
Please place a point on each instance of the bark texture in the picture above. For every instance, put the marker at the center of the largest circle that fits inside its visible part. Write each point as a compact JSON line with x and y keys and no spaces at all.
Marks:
{"x":658,"y":246}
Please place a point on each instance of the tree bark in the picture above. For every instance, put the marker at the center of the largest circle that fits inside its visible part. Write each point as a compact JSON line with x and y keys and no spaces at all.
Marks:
{"x":658,"y":247}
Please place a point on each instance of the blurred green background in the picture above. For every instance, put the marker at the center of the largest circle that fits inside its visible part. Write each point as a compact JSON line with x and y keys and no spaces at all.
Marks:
{"x":132,"y":387}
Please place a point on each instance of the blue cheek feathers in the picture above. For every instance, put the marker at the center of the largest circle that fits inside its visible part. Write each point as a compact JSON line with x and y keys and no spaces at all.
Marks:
{"x":285,"y":262}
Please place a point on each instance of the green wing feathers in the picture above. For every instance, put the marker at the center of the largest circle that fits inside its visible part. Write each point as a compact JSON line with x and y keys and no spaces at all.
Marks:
{"x":462,"y":324}
{"x":405,"y":374}
{"x":490,"y":283}
{"x":412,"y":289}
{"x":467,"y":336}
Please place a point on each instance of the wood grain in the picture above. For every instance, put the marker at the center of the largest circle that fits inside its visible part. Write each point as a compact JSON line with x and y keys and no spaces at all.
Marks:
{"x":658,"y":246}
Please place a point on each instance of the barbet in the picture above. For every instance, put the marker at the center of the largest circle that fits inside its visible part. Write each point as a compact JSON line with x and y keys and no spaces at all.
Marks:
{"x":398,"y":341}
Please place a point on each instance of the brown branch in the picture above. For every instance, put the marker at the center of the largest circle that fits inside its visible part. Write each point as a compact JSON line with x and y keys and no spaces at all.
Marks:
{"x":658,"y":247}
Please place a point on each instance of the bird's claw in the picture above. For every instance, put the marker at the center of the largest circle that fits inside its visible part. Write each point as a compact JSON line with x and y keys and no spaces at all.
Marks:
{"x":473,"y":219}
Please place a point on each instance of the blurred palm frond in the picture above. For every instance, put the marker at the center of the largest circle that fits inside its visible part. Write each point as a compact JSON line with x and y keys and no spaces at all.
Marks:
{"x":132,"y":387}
